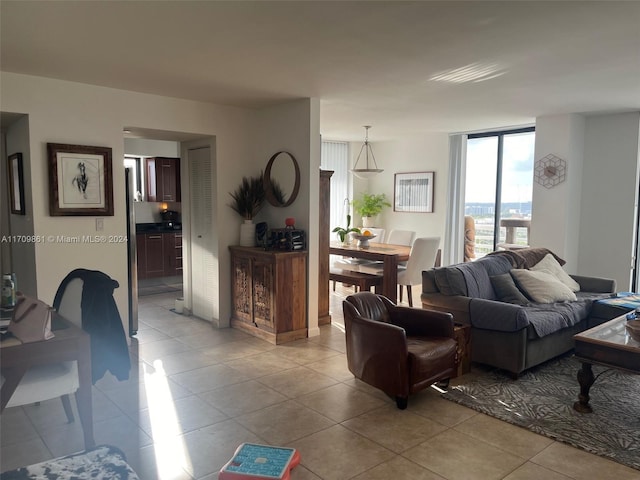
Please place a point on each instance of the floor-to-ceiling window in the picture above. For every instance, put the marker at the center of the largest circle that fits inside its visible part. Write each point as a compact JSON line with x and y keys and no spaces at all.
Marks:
{"x":499,"y":187}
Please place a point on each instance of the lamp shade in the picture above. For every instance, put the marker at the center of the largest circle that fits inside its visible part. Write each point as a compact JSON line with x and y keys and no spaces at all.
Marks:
{"x":369,"y":171}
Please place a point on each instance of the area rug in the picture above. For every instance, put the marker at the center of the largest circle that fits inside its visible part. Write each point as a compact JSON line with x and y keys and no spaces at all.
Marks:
{"x":541,"y":400}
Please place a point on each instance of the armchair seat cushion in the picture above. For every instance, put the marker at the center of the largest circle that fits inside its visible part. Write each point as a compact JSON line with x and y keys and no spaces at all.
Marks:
{"x":430,"y":356}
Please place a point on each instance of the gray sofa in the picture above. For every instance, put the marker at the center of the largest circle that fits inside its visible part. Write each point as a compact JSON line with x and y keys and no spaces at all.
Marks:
{"x":513,"y":337}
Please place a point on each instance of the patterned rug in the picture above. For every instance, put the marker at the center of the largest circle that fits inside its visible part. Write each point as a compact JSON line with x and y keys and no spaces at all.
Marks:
{"x":541,"y":400}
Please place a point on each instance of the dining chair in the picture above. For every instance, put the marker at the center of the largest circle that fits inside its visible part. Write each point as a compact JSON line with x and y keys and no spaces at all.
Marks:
{"x":379,"y":234}
{"x":401,"y":237}
{"x":44,"y":382}
{"x":423,"y":256}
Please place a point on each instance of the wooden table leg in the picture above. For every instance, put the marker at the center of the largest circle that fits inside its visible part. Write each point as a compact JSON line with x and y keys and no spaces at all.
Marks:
{"x":586,"y":379}
{"x":83,"y":395}
{"x":390,"y":278}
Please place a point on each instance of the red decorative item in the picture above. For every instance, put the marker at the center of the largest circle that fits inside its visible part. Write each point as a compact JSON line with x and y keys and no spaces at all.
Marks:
{"x":290,"y":222}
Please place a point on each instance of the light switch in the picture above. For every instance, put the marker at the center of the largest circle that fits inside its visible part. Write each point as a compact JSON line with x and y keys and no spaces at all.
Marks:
{"x":99,"y":224}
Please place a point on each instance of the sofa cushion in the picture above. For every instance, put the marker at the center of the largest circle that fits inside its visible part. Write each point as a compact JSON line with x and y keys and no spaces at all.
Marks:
{"x":551,"y":264}
{"x":507,"y":290}
{"x":450,"y":281}
{"x":541,"y":286}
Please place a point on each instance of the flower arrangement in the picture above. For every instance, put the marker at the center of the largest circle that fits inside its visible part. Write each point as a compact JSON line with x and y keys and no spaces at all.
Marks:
{"x":343,"y":232}
{"x":249,"y":197}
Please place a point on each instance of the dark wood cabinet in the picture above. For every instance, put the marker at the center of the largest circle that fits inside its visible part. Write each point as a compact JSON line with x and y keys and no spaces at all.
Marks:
{"x":324,"y":316}
{"x":269,"y":293}
{"x":159,"y":254}
{"x":163,"y":179}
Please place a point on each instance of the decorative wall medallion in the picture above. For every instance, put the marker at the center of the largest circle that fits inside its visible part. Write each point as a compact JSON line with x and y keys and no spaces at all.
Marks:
{"x":549,"y":171}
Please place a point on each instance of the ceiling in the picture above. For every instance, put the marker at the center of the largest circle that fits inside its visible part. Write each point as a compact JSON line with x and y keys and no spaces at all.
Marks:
{"x":403,"y":67}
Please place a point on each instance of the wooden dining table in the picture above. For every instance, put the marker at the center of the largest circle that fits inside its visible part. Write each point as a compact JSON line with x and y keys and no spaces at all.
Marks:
{"x":390,"y":256}
{"x":69,"y":343}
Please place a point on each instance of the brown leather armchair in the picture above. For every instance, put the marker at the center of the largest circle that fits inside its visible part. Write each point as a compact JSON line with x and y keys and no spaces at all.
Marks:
{"x":399,"y":350}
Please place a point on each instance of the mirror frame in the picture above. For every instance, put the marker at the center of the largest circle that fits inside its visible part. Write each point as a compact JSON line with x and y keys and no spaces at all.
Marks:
{"x":268,"y":185}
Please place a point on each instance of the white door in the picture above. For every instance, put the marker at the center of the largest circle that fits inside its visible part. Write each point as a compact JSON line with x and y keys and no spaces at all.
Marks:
{"x":202,"y":244}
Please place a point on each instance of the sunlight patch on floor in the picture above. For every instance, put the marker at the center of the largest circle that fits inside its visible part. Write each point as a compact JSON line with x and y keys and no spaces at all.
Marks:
{"x":170,"y":451}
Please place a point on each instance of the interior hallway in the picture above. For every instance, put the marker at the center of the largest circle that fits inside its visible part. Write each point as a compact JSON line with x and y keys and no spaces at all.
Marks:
{"x":198,"y":393}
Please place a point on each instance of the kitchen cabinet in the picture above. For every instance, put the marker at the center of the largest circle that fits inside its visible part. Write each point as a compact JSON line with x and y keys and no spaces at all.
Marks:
{"x":159,"y":254}
{"x":163,"y":179}
{"x":269,"y":293}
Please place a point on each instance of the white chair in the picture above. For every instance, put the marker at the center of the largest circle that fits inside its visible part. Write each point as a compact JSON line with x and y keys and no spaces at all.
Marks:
{"x":423,"y":256}
{"x":401,"y":237}
{"x":379,"y":234}
{"x":44,"y":382}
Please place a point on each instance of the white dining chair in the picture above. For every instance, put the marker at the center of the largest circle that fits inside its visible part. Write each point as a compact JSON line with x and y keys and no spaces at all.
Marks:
{"x":423,"y":256}
{"x":401,"y":237}
{"x":379,"y":234}
{"x":44,"y":382}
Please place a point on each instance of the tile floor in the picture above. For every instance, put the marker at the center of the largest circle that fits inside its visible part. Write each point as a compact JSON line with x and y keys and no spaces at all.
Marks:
{"x":197,"y":393}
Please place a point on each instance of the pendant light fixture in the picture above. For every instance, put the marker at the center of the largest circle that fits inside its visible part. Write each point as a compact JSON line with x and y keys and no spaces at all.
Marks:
{"x":367,"y":172}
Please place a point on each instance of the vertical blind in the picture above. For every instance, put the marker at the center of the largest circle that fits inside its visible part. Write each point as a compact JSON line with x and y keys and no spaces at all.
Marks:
{"x":335,"y":156}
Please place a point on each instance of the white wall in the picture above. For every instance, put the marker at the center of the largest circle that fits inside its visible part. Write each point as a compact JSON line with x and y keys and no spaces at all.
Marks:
{"x":609,"y":196}
{"x":294,"y":127}
{"x":555,"y":216}
{"x":589,"y":219}
{"x":426,"y":153}
{"x":74,"y":113}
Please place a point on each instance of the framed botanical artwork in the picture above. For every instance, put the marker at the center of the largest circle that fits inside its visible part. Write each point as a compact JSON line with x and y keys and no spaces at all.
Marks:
{"x":80,"y":180}
{"x":413,"y":192}
{"x":16,"y":183}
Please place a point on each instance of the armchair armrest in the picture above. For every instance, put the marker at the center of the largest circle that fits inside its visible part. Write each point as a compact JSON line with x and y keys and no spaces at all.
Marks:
{"x":421,"y":322}
{"x":595,"y":284}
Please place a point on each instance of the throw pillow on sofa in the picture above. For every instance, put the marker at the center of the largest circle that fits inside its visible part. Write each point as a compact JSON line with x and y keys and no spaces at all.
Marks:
{"x":551,"y":264}
{"x":541,"y":286}
{"x":507,"y":290}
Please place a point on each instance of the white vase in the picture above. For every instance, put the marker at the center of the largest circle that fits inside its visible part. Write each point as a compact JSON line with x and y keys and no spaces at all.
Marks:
{"x":248,"y":234}
{"x":368,"y":222}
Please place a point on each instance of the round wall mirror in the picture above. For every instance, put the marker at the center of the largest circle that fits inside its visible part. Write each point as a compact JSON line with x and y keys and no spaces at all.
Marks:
{"x":282,"y":179}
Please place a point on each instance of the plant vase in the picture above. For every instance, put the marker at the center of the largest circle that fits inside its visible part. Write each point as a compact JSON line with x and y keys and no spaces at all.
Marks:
{"x":248,"y":234}
{"x":368,"y":222}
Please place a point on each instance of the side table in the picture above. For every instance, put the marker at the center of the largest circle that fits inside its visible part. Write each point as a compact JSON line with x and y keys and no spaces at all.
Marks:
{"x":462,"y":334}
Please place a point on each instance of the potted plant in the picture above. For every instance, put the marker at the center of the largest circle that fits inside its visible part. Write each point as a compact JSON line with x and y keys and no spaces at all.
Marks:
{"x":370,"y":205}
{"x":343,"y":233}
{"x":248,"y":199}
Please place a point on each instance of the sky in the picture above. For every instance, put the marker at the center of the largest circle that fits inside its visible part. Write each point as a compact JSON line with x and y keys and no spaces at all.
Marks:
{"x":517,"y":175}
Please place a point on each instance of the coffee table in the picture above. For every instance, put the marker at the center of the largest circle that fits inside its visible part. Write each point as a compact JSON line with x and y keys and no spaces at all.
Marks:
{"x":608,"y":344}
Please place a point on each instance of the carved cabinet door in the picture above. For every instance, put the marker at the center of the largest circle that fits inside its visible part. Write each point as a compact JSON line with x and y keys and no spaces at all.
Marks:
{"x":241,"y":284}
{"x":263,"y":302}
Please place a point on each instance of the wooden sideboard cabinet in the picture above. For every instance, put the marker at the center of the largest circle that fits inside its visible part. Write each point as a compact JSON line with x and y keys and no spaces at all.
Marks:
{"x":269,"y":293}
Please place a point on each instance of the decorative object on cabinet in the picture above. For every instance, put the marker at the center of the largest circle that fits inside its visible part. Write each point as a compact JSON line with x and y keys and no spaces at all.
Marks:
{"x":290,"y":222}
{"x":343,"y":233}
{"x":269,"y":291}
{"x":369,"y":206}
{"x":367,"y":172}
{"x":550,"y":171}
{"x":248,"y":199}
{"x":261,"y":234}
{"x":280,"y":173}
{"x":80,"y":180}
{"x":16,"y":183}
{"x":163,"y":179}
{"x":287,"y":239}
{"x":413,"y":192}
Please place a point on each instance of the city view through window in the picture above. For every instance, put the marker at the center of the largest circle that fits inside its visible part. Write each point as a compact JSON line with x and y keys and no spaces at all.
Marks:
{"x":499,"y":189}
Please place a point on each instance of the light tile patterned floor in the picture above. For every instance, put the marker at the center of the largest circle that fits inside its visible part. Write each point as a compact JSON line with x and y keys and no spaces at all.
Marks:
{"x":196,"y":393}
